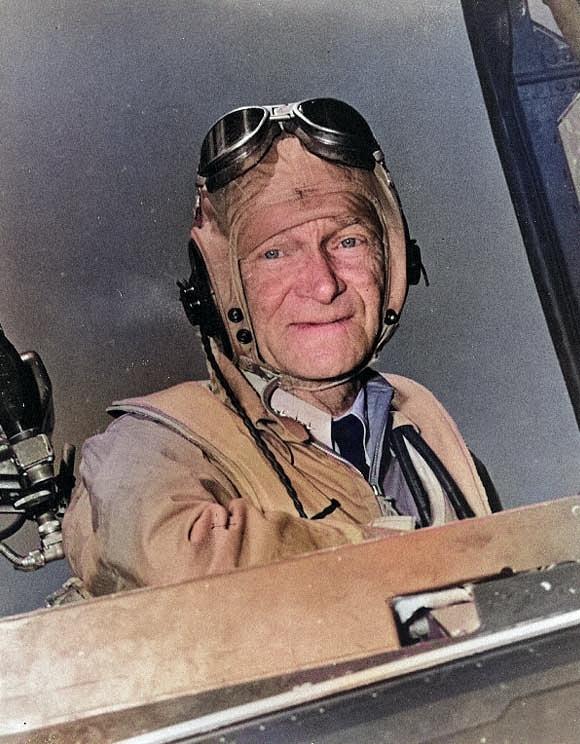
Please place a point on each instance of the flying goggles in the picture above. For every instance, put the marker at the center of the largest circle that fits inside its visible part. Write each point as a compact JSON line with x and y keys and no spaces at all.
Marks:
{"x":328,"y":128}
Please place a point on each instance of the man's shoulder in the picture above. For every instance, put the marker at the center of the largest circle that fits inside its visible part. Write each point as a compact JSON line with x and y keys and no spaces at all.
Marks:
{"x":191,"y":409}
{"x":406,"y":389}
{"x":177,"y":396}
{"x":417,"y":402}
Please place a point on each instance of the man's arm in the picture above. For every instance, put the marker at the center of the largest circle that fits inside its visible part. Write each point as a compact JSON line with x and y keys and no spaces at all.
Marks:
{"x":151,"y":509}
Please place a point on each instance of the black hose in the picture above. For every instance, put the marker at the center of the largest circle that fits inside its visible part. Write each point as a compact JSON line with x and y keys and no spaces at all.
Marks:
{"x":456,"y":498}
{"x":411,"y":476}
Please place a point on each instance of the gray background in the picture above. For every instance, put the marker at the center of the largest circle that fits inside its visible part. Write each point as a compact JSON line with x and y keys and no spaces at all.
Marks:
{"x":103,"y":107}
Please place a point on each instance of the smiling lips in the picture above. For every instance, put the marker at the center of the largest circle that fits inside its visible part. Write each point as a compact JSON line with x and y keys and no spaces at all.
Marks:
{"x":320,"y":323}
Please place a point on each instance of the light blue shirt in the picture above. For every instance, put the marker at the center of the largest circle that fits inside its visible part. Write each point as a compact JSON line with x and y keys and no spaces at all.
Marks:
{"x":372,"y":407}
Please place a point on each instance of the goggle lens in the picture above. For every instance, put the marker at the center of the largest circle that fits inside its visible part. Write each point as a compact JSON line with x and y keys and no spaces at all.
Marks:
{"x":337,"y":117}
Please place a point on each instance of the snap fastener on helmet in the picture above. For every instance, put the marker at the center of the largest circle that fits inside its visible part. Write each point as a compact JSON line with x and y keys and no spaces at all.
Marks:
{"x":235,"y":314}
{"x":244,"y":336}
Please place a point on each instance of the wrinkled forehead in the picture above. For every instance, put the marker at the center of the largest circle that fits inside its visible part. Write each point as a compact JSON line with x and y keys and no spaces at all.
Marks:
{"x":288,"y":188}
{"x":342,"y":209}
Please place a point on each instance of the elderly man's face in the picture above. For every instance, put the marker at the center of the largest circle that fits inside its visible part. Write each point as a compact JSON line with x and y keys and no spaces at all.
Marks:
{"x":315,"y":295}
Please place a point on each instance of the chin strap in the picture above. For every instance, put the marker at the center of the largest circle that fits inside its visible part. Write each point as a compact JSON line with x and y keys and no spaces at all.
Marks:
{"x":290,"y":383}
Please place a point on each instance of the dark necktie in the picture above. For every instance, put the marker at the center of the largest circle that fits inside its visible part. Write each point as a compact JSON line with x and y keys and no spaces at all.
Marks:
{"x":348,"y":434}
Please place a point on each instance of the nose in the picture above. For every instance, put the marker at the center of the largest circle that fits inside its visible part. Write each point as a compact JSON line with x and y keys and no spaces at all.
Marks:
{"x":319,"y":279}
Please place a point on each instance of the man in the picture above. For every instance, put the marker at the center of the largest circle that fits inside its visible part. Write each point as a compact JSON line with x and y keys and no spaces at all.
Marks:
{"x":300,"y":256}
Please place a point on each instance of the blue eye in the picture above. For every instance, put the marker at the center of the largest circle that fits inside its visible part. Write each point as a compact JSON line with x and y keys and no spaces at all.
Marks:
{"x":348,"y":243}
{"x":273,"y":253}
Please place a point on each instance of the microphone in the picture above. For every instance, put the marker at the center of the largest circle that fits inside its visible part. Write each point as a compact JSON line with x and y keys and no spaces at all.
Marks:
{"x":28,"y":485}
{"x":20,"y":406}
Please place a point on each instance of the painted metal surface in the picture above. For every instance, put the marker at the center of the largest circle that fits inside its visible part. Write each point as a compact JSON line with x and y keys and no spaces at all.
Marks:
{"x":123,"y":665}
{"x":529,"y":77}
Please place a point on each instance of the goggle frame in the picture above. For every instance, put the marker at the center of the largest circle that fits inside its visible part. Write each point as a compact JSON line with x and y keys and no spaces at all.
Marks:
{"x":239,"y":140}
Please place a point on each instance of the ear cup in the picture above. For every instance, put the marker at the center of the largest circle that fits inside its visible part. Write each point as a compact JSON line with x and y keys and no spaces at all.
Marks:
{"x":196,"y":296}
{"x":415,"y":268}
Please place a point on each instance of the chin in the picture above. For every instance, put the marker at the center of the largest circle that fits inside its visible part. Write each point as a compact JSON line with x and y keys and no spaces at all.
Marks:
{"x":320,"y":362}
{"x":324,"y":371}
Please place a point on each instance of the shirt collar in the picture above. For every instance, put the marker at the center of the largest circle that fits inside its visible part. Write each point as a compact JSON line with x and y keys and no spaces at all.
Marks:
{"x":371,"y":407}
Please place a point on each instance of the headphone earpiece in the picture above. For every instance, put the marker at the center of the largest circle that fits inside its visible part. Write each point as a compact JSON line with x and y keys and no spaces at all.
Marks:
{"x":415,"y":268}
{"x":196,"y":296}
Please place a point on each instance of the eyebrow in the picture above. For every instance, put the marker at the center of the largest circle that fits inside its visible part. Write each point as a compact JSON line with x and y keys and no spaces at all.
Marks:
{"x":366,"y":222}
{"x":348,"y":221}
{"x":360,"y":219}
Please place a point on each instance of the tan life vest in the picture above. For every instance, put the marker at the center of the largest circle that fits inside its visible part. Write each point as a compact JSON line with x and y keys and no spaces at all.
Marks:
{"x":196,"y":413}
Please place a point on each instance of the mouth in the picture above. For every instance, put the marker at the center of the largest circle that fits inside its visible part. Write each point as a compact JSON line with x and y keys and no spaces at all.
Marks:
{"x":322,"y":324}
